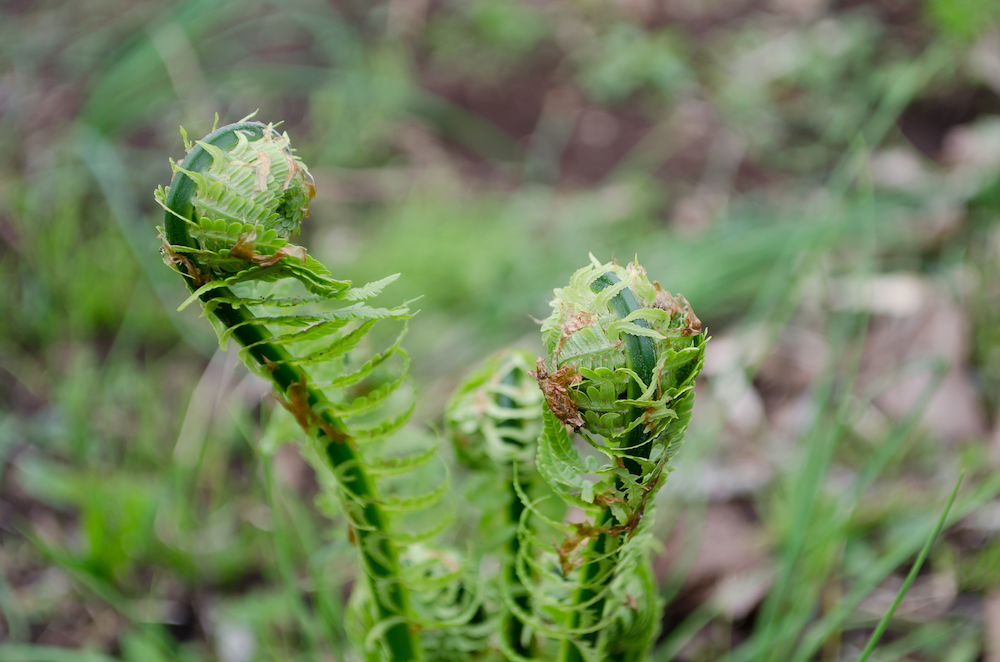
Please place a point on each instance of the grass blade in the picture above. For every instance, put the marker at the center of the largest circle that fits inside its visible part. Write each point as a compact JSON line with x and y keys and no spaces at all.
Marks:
{"x":884,"y":623}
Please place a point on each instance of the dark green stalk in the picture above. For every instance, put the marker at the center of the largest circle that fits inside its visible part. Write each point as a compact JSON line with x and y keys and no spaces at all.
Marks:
{"x":513,"y":627}
{"x":640,"y":352}
{"x":378,"y":554}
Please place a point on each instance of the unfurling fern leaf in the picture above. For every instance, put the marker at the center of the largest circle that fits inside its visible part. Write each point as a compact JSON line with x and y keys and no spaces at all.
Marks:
{"x":234,"y":205}
{"x":622,"y":359}
{"x":494,"y":419}
{"x":623,"y":356}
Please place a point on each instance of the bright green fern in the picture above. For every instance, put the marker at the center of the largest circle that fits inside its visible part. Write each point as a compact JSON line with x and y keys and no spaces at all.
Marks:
{"x":234,"y":204}
{"x":622,"y":358}
{"x":494,"y":420}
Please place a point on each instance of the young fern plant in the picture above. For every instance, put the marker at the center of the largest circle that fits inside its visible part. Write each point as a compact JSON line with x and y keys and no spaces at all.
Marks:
{"x":622,"y":358}
{"x":494,"y":420}
{"x":233,"y":206}
{"x":623,"y":355}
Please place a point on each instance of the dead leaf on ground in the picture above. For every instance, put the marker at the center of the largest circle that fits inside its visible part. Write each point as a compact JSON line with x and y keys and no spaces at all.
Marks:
{"x":930,"y":597}
{"x":730,"y":544}
{"x":937,"y":328}
{"x":738,"y":593}
{"x":991,"y":627}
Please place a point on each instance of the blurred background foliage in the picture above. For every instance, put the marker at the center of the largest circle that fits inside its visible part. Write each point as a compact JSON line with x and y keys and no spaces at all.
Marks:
{"x":820,"y":178}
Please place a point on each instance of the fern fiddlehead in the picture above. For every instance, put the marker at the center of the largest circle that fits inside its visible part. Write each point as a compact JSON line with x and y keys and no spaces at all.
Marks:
{"x":494,"y":419}
{"x":623,"y":356}
{"x":233,"y":206}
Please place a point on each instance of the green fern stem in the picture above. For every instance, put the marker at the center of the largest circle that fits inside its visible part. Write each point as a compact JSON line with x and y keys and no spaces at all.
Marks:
{"x":378,"y":554}
{"x":641,"y":358}
{"x":513,"y":627}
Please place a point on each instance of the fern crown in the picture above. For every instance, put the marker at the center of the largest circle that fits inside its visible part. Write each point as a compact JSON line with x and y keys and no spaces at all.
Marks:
{"x":606,"y":356}
{"x":260,"y":182}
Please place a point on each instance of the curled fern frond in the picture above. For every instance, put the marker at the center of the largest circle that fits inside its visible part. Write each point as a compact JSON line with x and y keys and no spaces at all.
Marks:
{"x":623,"y":355}
{"x":448,"y":606}
{"x":622,"y":359}
{"x":233,"y":206}
{"x":494,"y":416}
{"x":494,"y":419}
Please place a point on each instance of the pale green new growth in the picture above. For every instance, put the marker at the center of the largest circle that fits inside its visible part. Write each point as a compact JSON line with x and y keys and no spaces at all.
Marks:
{"x":494,"y":420}
{"x":494,"y":416}
{"x":305,"y":331}
{"x":258,"y":182}
{"x":622,"y":358}
{"x":587,"y":342}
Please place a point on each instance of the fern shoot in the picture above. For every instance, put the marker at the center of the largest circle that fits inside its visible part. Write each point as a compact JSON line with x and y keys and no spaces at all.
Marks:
{"x":232,"y":208}
{"x":494,"y":419}
{"x":622,"y":358}
{"x":623,"y":355}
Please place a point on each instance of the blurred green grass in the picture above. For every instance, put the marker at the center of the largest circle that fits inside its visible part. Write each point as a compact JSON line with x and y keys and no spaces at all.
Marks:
{"x":483,"y":149}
